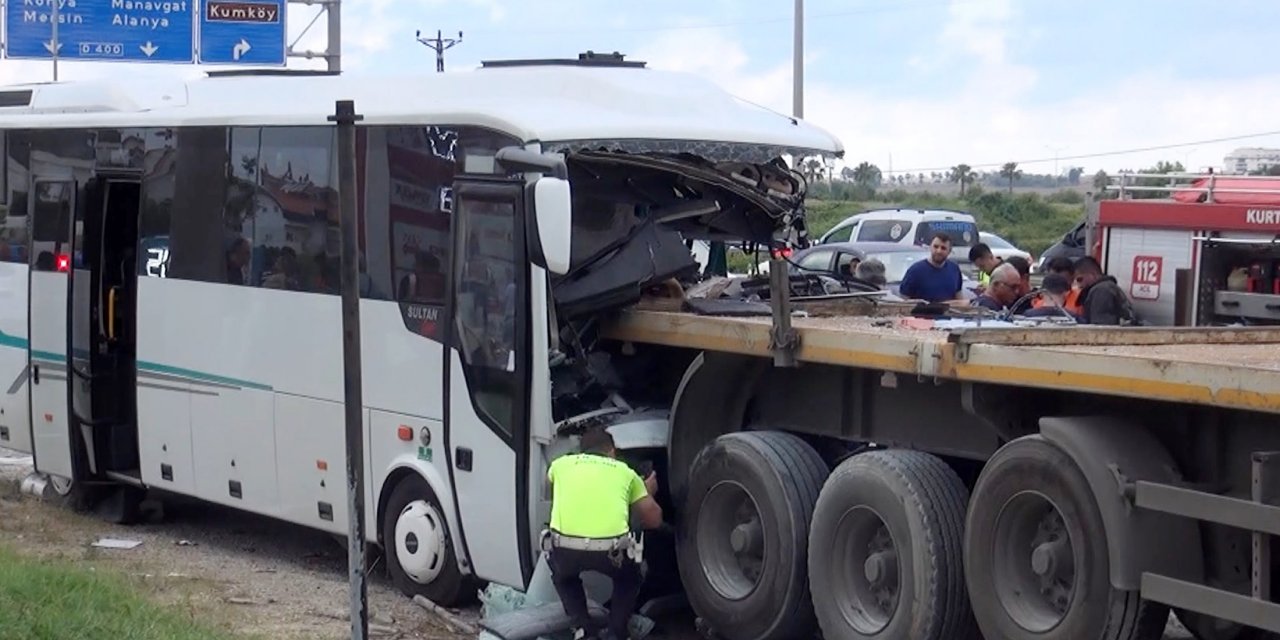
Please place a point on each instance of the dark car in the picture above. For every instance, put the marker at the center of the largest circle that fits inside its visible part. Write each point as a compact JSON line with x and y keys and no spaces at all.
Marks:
{"x":1071,"y":246}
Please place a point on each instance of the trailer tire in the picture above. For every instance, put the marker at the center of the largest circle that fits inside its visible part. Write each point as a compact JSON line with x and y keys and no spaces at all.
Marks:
{"x":1032,"y":495}
{"x":417,"y":533}
{"x":894,"y":524}
{"x":749,"y":581}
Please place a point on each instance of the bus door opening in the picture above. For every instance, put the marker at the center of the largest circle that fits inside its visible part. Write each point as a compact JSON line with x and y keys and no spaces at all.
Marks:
{"x":104,"y":314}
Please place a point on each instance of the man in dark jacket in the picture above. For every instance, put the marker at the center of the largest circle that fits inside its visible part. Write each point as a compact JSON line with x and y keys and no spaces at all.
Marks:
{"x":1101,"y":299}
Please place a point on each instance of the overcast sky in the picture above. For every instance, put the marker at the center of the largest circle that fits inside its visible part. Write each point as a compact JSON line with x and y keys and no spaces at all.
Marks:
{"x":912,"y":84}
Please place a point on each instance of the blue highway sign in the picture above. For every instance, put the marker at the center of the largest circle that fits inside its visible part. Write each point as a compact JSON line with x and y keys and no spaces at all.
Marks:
{"x":249,"y":32}
{"x":113,"y":30}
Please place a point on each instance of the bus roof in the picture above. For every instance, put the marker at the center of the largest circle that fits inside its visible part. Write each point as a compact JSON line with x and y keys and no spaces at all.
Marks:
{"x":534,"y":103}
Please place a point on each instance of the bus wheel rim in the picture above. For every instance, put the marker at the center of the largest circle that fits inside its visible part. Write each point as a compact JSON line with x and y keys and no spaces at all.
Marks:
{"x":420,"y":541}
{"x":61,"y":485}
{"x":1036,"y":585}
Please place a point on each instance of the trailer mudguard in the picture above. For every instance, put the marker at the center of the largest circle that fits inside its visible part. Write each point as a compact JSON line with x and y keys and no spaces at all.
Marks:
{"x":1112,"y":453}
{"x":711,"y":401}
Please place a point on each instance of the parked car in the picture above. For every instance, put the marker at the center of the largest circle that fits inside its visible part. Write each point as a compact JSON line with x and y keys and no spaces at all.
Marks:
{"x":906,"y":226}
{"x":1003,"y":249}
{"x":839,"y":260}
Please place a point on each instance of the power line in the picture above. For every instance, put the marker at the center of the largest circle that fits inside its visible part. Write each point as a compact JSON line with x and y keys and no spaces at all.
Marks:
{"x":740,"y":23}
{"x":1101,"y":154}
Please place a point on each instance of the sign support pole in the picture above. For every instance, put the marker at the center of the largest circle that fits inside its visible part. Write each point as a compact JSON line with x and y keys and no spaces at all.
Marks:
{"x":54,"y":41}
{"x":346,"y":117}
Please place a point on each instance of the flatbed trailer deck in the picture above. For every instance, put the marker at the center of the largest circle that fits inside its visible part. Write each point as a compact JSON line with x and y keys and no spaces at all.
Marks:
{"x":1225,"y":367}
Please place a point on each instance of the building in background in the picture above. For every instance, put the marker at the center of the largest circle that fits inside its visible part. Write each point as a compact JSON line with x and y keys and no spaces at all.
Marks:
{"x":1249,"y":159}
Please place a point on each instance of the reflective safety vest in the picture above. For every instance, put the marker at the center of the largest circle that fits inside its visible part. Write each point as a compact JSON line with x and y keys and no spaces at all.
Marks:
{"x":591,"y":495}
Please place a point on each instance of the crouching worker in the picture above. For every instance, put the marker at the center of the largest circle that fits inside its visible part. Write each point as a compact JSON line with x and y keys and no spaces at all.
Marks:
{"x":593,"y":498}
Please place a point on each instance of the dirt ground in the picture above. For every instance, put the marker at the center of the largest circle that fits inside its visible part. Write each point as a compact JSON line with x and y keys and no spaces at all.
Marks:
{"x":249,"y":573}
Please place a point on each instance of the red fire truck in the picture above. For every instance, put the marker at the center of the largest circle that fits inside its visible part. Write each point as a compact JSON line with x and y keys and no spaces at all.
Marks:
{"x":1197,"y":250}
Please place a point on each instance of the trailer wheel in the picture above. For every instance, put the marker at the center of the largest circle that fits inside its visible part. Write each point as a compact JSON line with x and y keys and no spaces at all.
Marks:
{"x":1036,"y":557}
{"x":891,"y":524}
{"x":419,"y":550}
{"x":744,"y":534}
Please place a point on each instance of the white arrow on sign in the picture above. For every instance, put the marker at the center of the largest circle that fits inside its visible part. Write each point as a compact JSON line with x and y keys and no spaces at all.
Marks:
{"x":240,"y":49}
{"x":48,"y":46}
{"x":149,"y":49}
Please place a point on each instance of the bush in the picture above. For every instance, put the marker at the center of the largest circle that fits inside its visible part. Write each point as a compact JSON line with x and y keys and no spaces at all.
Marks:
{"x":1027,"y":220}
{"x":1065,"y":196}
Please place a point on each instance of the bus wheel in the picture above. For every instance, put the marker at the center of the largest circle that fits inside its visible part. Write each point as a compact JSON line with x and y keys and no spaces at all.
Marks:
{"x":1036,"y":557}
{"x":744,"y":533}
{"x":61,"y":486}
{"x":890,"y":525}
{"x":419,"y":550}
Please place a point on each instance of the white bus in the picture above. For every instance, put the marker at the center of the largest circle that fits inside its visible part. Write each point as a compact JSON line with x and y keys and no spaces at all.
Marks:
{"x":169,"y":303}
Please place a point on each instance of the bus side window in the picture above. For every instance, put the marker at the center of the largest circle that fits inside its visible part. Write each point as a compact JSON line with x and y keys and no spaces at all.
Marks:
{"x":13,"y":234}
{"x":283,"y":199}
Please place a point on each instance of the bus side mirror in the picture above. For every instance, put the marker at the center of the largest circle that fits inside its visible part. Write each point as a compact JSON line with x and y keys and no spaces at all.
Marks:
{"x":553,"y":218}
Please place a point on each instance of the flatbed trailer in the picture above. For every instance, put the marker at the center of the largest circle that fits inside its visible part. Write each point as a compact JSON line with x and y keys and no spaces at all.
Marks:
{"x":1228,"y":367}
{"x":1154,"y":446}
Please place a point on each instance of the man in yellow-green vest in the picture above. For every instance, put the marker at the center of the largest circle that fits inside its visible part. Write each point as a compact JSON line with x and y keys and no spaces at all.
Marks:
{"x":593,"y":499}
{"x":981,"y":257}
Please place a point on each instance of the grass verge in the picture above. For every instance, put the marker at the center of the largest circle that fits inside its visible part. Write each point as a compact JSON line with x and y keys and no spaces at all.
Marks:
{"x":54,"y":599}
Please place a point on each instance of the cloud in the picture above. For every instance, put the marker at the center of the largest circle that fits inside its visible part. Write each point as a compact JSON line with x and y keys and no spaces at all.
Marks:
{"x":993,"y":115}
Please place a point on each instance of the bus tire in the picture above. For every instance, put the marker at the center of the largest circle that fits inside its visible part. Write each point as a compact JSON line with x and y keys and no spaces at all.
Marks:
{"x":419,"y":550}
{"x":1032,"y":496}
{"x":892,"y":527}
{"x":744,"y":534}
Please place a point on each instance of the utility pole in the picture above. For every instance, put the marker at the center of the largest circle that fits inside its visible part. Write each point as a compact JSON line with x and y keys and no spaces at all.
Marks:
{"x":1056,"y":152}
{"x":797,"y":62}
{"x":439,"y":45}
{"x":345,"y":117}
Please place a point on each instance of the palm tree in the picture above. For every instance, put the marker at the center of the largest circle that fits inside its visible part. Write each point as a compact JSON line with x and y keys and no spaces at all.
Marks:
{"x":1011,"y":172}
{"x":963,"y":174}
{"x":1101,"y":180}
{"x":812,"y":170}
{"x":867,"y":175}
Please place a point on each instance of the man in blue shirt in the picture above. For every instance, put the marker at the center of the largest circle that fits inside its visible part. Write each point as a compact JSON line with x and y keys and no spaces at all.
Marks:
{"x":935,"y":279}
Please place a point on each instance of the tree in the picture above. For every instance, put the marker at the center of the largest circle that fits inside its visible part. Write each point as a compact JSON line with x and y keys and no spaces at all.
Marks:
{"x":1073,"y":174}
{"x":867,"y":175}
{"x":963,"y":174}
{"x":1161,"y":167}
{"x":1271,"y":170}
{"x":1010,"y":172}
{"x":812,"y":170}
{"x":846,"y":174}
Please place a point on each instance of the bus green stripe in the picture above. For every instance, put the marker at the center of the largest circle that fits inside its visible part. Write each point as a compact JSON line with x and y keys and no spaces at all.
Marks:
{"x":15,"y":342}
{"x":155,"y":367}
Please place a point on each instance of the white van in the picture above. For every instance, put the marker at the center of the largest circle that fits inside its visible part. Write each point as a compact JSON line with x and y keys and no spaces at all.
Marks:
{"x":906,"y":226}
